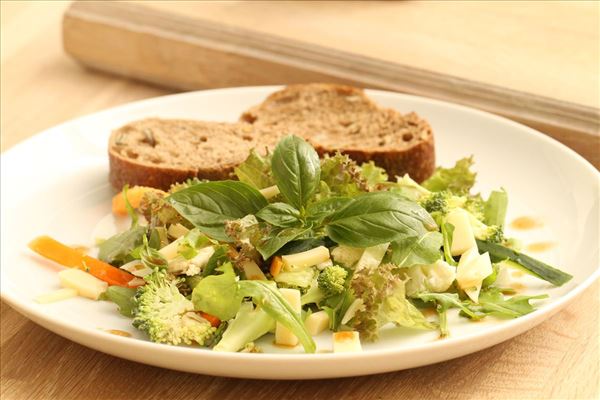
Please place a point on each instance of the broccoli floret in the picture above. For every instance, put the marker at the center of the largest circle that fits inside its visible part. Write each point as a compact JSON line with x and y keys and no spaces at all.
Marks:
{"x":166,"y":315}
{"x":476,"y":206}
{"x":250,"y":323}
{"x":332,"y":280}
{"x":493,"y":234}
{"x":436,"y":202}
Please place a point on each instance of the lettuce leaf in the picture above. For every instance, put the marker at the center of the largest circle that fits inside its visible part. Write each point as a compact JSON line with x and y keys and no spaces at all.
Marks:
{"x":458,"y":179}
{"x":256,"y":170}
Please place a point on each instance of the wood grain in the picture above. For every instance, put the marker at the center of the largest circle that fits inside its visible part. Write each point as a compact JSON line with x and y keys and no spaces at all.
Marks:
{"x":177,"y":46}
{"x":41,"y":87}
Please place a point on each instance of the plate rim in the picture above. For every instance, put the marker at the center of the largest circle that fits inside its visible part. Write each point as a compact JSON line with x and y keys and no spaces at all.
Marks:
{"x":502,"y":332}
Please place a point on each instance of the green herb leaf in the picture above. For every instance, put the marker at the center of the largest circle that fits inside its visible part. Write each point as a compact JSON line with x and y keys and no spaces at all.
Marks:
{"x":122,"y":297}
{"x":447,"y":233}
{"x":218,"y":294}
{"x":280,"y":214}
{"x":218,"y":258}
{"x":116,"y":250}
{"x":208,"y":205}
{"x":373,"y":174}
{"x":274,"y":238}
{"x":296,"y":169}
{"x":415,"y":250}
{"x":375,"y":218}
{"x":458,"y":179}
{"x":268,"y":298}
{"x":492,"y":302}
{"x":494,"y":211}
{"x":255,"y":171}
{"x":320,"y":210}
{"x":528,"y":264}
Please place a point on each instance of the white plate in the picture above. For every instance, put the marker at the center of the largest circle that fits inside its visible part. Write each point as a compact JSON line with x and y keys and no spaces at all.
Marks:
{"x":56,"y":183}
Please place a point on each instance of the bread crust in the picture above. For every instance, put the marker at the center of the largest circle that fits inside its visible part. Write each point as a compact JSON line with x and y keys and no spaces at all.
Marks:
{"x":266,"y":123}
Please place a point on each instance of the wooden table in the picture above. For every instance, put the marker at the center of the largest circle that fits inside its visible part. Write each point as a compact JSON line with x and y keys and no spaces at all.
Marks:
{"x":41,"y":87}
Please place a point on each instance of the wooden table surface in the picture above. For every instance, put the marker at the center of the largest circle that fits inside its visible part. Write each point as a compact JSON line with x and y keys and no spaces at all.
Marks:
{"x":41,"y":87}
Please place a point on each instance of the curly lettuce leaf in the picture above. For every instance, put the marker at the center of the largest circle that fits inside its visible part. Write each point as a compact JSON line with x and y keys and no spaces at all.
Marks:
{"x":256,"y":170}
{"x":458,"y":179}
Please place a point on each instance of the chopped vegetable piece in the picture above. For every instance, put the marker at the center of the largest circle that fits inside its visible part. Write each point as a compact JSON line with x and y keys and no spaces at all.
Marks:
{"x":276,"y":265}
{"x":69,"y":257}
{"x":134,"y":195}
{"x":85,"y":284}
{"x":57,"y":295}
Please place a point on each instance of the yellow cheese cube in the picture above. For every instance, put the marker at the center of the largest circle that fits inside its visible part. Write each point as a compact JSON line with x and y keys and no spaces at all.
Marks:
{"x":283,"y":336}
{"x":346,"y":342}
{"x":85,"y":284}
{"x":57,"y":295}
{"x":317,"y":322}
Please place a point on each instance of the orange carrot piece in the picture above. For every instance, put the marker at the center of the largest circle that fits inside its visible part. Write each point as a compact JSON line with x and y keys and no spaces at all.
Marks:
{"x":276,"y":265}
{"x":134,"y":195}
{"x":73,"y":258}
{"x":214,"y":321}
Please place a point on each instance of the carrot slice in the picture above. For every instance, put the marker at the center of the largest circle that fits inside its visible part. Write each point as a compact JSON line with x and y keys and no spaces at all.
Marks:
{"x":73,"y":258}
{"x":276,"y":265}
{"x":134,"y":195}
{"x":214,"y":321}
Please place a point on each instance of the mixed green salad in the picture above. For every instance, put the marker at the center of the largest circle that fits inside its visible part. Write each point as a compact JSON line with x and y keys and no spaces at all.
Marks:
{"x":298,"y":245}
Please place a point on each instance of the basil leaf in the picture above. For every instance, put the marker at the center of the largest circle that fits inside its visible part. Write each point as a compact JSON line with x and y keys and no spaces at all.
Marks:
{"x":296,"y":169}
{"x":117,"y":248}
{"x":320,"y":210}
{"x":280,"y":214}
{"x":274,"y":238}
{"x":208,"y":205}
{"x":415,"y":250}
{"x":375,"y":218}
{"x":300,"y":245}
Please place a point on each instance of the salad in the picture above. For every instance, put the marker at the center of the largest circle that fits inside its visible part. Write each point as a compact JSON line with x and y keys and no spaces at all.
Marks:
{"x":299,"y":245}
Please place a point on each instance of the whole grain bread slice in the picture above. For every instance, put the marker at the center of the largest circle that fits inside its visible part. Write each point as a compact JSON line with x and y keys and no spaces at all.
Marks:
{"x":159,"y":152}
{"x":342,"y":118}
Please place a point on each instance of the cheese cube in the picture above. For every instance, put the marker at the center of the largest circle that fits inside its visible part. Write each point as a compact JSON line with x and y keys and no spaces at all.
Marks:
{"x":372,"y":256}
{"x":86,"y":285}
{"x":252,"y":271}
{"x":269,"y":192}
{"x":317,"y":322}
{"x":346,"y":342}
{"x":57,"y":295}
{"x":471,"y":273}
{"x":283,"y":336}
{"x":463,"y":238}
{"x":306,"y":258}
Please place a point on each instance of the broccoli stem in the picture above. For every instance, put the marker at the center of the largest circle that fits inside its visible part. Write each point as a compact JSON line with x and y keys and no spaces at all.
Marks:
{"x":528,"y":264}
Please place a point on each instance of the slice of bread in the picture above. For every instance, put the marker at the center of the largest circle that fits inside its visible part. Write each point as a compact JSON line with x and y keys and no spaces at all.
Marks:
{"x":159,"y":152}
{"x":342,"y":118}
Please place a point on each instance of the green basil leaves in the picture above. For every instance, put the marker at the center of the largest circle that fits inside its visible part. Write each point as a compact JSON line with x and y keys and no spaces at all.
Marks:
{"x":376,"y":218}
{"x":208,"y":205}
{"x":297,"y":170}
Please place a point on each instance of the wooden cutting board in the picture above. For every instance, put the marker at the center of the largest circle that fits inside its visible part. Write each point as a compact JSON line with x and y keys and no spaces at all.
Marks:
{"x":537,"y":63}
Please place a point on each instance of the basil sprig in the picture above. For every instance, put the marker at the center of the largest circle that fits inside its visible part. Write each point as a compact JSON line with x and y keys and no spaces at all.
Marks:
{"x":297,"y":170}
{"x":208,"y":205}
